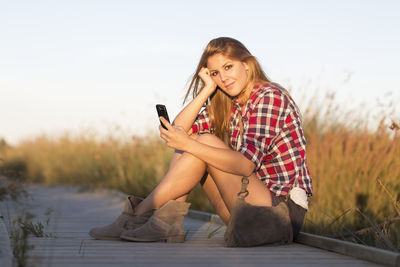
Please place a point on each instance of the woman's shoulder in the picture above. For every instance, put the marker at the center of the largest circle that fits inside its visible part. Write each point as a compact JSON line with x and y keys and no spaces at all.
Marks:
{"x":275,"y":94}
{"x":268,"y":90}
{"x":271,"y":87}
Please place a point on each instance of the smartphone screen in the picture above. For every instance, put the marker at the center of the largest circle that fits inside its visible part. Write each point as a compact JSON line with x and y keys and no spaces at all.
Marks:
{"x":162,"y":112}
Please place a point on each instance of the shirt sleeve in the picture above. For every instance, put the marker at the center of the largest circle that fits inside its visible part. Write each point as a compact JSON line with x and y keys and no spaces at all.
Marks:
{"x":202,"y":124}
{"x":264,"y":124}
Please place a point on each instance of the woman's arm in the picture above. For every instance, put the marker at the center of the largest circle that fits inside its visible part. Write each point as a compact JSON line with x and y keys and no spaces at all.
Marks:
{"x":224,"y":159}
{"x":186,"y":117}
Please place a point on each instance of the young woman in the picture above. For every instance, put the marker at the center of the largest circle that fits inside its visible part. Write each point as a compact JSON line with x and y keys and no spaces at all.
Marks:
{"x":249,"y":127}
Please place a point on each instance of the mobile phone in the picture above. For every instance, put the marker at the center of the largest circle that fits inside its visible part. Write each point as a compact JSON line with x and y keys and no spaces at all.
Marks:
{"x":162,"y":112}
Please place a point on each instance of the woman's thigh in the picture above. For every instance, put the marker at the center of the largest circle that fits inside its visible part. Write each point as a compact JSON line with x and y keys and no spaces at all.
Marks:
{"x":230,"y":184}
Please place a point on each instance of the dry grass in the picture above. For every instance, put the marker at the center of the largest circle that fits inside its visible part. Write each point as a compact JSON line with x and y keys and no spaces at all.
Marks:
{"x":134,"y":166}
{"x":356,"y":176}
{"x":345,"y":158}
{"x":345,"y":165}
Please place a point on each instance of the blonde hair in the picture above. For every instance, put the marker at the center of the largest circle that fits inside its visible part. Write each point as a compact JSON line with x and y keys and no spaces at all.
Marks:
{"x":220,"y":104}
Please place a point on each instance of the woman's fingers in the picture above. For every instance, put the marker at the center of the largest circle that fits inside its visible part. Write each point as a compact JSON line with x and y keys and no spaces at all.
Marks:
{"x":175,"y":137}
{"x":209,"y":82}
{"x":163,"y":133}
{"x":166,"y":133}
{"x":166,"y":123}
{"x":204,"y":70}
{"x":204,"y":74}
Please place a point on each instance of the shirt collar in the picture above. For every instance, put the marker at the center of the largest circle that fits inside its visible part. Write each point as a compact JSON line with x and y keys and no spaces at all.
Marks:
{"x":255,"y":92}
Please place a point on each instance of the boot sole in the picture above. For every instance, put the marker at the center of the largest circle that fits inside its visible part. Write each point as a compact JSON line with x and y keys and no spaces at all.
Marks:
{"x":105,"y":237}
{"x":169,"y":239}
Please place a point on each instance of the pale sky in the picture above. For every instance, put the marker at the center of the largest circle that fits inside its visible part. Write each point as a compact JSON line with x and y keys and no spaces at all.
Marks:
{"x":73,"y":66}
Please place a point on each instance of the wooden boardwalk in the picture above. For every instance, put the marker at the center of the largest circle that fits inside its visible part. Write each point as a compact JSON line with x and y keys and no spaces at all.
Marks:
{"x":74,"y":213}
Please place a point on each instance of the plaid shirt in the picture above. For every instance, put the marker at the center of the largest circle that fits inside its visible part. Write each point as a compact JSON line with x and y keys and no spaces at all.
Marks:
{"x":272,"y":138}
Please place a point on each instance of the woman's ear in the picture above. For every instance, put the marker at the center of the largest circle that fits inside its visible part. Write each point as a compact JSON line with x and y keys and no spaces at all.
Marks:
{"x":245,"y":66}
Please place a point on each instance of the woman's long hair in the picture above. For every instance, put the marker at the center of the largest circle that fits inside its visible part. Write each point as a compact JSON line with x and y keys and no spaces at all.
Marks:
{"x":220,"y":104}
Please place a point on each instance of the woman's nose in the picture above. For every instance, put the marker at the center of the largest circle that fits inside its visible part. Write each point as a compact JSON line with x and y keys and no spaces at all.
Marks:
{"x":222,"y":77}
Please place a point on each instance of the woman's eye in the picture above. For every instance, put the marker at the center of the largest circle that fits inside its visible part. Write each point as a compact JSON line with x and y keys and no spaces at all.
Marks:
{"x":227,"y":67}
{"x":214,"y":73}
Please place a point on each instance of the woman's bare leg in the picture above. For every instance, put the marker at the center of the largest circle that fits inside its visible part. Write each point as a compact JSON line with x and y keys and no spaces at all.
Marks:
{"x":229,"y":185}
{"x":175,"y":157}
{"x":184,"y":174}
{"x":210,"y":190}
{"x":213,"y":195}
{"x":187,"y":170}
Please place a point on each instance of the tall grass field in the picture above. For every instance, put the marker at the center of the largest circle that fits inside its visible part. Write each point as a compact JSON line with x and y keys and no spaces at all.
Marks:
{"x":355,"y":171}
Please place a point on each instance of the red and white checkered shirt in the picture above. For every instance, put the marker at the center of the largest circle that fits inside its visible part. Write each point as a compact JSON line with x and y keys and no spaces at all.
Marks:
{"x":272,"y":138}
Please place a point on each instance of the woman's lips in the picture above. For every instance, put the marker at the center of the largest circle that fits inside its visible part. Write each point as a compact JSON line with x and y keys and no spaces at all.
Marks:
{"x":229,"y":85}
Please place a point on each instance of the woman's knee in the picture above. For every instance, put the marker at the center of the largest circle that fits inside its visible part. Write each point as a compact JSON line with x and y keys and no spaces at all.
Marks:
{"x":211,"y":140}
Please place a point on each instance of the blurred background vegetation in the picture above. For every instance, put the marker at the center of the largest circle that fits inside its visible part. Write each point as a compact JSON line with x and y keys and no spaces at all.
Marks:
{"x":355,"y":170}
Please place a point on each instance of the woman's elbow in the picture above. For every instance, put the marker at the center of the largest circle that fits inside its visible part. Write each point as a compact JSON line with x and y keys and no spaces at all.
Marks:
{"x":249,"y":168}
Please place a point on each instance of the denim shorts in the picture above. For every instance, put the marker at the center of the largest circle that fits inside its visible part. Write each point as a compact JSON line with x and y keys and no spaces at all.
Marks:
{"x":296,"y":212}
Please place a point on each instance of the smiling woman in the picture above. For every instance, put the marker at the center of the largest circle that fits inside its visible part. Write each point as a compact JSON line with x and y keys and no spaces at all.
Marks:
{"x":240,"y":66}
{"x":230,"y":75}
{"x":248,"y":136}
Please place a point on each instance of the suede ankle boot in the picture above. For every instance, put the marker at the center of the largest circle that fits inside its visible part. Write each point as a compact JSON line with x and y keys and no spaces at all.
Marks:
{"x":127,"y":218}
{"x":166,"y":224}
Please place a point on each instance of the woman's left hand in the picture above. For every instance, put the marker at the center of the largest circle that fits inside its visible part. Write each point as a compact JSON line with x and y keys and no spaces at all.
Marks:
{"x":175,"y":137}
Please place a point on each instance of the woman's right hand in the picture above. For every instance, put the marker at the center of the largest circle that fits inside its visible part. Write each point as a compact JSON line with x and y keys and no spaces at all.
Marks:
{"x":209,"y":83}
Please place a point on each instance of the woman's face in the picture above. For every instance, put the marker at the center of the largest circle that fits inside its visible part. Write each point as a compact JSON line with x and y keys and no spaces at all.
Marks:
{"x":229,"y":74}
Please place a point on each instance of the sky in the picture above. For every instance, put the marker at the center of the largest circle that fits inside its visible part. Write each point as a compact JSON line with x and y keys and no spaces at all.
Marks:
{"x":102,"y":66}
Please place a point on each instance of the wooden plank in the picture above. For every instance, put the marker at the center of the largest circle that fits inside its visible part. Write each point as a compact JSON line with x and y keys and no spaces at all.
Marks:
{"x":376,"y":255}
{"x":5,"y":246}
{"x":75,"y":213}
